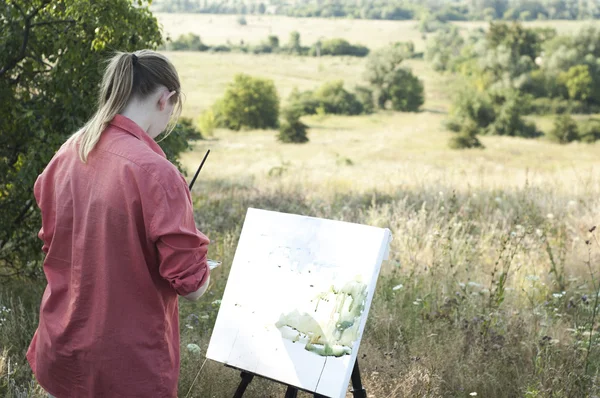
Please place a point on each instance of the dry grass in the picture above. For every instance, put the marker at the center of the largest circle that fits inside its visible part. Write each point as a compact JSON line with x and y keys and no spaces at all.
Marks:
{"x":219,"y":29}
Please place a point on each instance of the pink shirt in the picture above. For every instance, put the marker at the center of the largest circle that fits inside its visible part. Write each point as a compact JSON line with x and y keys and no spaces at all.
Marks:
{"x":121,"y":244}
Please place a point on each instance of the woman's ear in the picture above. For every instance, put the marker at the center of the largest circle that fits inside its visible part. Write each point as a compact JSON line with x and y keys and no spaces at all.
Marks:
{"x":164,"y":98}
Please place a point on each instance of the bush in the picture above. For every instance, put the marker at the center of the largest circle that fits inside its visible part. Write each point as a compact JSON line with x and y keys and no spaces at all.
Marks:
{"x":509,"y":120}
{"x":179,"y":140}
{"x":292,"y":130}
{"x":565,"y":129}
{"x":466,"y":137}
{"x":338,"y":47}
{"x":589,"y":131}
{"x":242,"y":20}
{"x":189,"y":42}
{"x":248,"y":103}
{"x":475,"y":106}
{"x":334,"y":99}
{"x":365,"y":96}
{"x":207,"y":122}
{"x":330,"y":98}
{"x":406,"y":91}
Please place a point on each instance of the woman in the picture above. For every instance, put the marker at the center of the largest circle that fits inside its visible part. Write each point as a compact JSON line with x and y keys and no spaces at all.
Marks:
{"x":120,"y":242}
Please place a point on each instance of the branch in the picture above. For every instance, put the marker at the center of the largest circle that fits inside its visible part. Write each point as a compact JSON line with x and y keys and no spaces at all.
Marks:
{"x":53,"y":22}
{"x":28,"y":25}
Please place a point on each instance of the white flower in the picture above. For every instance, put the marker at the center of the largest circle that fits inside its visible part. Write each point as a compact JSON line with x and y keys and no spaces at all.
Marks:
{"x":398,"y":287}
{"x":498,"y":199}
{"x":532,"y":278}
{"x":216,"y":302}
{"x":539,"y":232}
{"x":550,"y":216}
{"x":475,"y":284}
{"x":572,"y":203}
{"x":473,"y":394}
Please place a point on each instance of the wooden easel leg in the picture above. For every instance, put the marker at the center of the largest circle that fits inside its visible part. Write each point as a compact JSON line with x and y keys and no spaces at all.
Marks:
{"x":357,"y":389}
{"x":291,"y":392}
{"x":246,"y":379}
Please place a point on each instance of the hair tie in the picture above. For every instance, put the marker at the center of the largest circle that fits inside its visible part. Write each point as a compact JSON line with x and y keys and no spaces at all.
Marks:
{"x":134,"y":59}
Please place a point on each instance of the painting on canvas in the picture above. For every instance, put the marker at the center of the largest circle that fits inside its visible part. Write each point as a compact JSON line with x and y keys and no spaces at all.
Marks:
{"x":297,"y":299}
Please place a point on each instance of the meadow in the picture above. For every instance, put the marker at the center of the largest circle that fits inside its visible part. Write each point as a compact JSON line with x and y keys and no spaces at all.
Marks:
{"x":492,"y":284}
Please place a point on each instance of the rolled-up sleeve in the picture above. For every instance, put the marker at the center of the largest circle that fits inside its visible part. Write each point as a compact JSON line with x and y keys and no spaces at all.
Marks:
{"x":182,"y":249}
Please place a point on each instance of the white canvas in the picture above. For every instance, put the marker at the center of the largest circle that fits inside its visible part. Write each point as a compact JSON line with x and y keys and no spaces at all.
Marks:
{"x":297,"y":299}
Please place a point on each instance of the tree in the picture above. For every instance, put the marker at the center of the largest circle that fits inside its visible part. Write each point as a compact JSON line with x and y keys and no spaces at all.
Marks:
{"x":406,"y":91}
{"x":444,"y":47}
{"x":380,"y":69}
{"x":565,"y":129}
{"x":292,"y":130}
{"x":294,"y":43}
{"x":249,"y":103}
{"x":49,"y":72}
{"x":579,"y":82}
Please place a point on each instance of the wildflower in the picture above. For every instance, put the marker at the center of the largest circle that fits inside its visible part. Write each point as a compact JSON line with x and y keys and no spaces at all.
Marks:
{"x":532,"y":278}
{"x":216,"y":302}
{"x":539,"y":232}
{"x":398,"y":287}
{"x":473,"y":394}
{"x":572,"y":203}
{"x":498,"y":199}
{"x":550,"y":216}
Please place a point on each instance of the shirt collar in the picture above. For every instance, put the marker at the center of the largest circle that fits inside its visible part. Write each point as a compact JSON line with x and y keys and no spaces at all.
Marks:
{"x":131,"y":127}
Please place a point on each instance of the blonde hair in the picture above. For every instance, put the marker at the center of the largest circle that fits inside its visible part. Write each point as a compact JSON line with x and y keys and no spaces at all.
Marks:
{"x":128,"y":75}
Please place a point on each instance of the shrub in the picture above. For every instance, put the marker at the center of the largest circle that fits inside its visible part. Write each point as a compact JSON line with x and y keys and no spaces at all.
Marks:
{"x":334,"y":99}
{"x":292,"y":130}
{"x":207,"y":122}
{"x":189,"y":42}
{"x":565,"y":129}
{"x":472,"y":105}
{"x":509,"y":120}
{"x":406,"y":91}
{"x":466,"y":137}
{"x":339,"y":47}
{"x":589,"y":131}
{"x":365,"y":96}
{"x":242,"y":20}
{"x":330,"y":98}
{"x":248,"y":103}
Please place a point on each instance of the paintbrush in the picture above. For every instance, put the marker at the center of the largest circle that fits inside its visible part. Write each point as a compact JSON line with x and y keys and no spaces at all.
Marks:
{"x":212,"y":264}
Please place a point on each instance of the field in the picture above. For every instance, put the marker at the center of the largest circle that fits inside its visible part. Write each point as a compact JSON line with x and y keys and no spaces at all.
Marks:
{"x":218,"y":29}
{"x":492,"y":283}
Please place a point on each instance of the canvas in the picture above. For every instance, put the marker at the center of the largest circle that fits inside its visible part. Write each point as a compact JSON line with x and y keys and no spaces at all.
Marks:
{"x":297,"y":298}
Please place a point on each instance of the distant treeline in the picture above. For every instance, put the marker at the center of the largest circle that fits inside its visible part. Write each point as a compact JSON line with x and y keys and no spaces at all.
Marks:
{"x":443,"y":10}
{"x":332,"y":47}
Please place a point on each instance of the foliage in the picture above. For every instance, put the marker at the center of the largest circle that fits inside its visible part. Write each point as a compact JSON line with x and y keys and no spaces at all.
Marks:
{"x":589,"y":131}
{"x":444,"y":48}
{"x":466,"y":137}
{"x":188,"y":42}
{"x":509,"y":120}
{"x":249,"y":103}
{"x":456,"y":10}
{"x":50,"y":66}
{"x":578,"y":81}
{"x":292,"y":130}
{"x":337,"y":47}
{"x":365,"y":96}
{"x":242,"y":20}
{"x":330,"y":98}
{"x":392,"y":83}
{"x":207,"y":122}
{"x":565,"y":129}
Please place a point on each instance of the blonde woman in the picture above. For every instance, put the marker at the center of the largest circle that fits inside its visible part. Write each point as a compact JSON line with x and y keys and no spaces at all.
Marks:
{"x":121,"y":244}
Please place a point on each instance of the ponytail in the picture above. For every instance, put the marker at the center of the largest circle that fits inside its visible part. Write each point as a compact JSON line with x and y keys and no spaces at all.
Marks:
{"x":127,"y":75}
{"x":115,"y":91}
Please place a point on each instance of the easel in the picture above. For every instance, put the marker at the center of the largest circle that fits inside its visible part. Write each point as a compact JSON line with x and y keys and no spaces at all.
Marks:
{"x":292,"y":392}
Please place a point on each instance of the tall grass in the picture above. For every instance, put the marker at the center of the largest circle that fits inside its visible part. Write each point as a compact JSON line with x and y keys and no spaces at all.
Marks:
{"x":485,"y":291}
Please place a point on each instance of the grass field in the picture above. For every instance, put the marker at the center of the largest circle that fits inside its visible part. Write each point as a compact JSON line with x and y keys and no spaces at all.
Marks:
{"x":492,"y":285}
{"x":219,"y":29}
